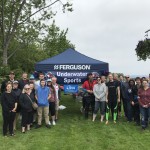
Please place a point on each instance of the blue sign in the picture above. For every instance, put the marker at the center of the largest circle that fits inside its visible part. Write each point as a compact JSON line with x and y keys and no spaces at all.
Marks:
{"x":71,"y":88}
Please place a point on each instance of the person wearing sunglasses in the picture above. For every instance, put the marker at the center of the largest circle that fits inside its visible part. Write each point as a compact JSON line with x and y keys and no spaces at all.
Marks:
{"x":25,"y":100}
{"x":99,"y":91}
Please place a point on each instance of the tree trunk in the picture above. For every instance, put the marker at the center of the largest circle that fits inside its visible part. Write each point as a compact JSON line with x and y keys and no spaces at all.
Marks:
{"x":5,"y":55}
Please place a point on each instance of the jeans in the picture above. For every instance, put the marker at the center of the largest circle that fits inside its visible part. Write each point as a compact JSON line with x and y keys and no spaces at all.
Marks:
{"x":100,"y":105}
{"x":145,"y":115}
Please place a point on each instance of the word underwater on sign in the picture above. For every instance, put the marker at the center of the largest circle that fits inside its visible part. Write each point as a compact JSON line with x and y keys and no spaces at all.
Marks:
{"x":72,"y":67}
{"x":70,"y":74}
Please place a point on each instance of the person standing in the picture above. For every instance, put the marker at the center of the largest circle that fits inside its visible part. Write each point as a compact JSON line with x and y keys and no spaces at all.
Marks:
{"x":103,"y":79}
{"x":112,"y":98}
{"x":135,"y":103}
{"x":116,"y":79}
{"x":124,"y":93}
{"x":23,"y":81}
{"x":11,"y":80}
{"x":99,"y":91}
{"x":130,"y":100}
{"x":37,"y":83}
{"x":89,"y":97}
{"x":144,"y":102}
{"x":9,"y":106}
{"x":43,"y":95}
{"x":25,"y":100}
{"x":17,"y":92}
{"x":58,"y":96}
{"x":52,"y":101}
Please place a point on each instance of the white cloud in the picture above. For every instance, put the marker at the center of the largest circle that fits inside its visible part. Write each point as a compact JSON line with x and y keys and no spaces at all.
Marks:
{"x":109,"y":30}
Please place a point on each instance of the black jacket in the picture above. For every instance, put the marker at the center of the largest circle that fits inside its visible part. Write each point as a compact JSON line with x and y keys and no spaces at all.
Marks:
{"x":8,"y":101}
{"x":25,"y":102}
{"x":22,"y":83}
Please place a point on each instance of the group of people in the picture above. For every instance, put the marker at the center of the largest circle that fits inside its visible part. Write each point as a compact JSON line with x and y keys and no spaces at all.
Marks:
{"x":110,"y":94}
{"x":17,"y":99}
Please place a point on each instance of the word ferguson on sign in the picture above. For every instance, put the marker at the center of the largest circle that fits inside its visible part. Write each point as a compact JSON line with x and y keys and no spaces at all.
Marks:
{"x":72,"y":67}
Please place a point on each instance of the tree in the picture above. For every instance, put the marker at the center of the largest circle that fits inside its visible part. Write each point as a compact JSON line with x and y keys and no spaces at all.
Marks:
{"x":56,"y":41}
{"x":143,"y":49}
{"x":17,"y":16}
{"x":32,"y":48}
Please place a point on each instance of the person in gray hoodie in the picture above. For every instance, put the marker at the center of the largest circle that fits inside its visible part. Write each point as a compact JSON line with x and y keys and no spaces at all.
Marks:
{"x":99,"y":91}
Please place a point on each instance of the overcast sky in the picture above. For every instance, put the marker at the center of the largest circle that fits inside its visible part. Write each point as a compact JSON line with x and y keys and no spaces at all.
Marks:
{"x":109,"y":30}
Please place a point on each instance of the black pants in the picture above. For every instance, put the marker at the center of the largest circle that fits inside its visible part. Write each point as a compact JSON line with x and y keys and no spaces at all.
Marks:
{"x":52,"y":108}
{"x":125,"y":106}
{"x":89,"y":101}
{"x":8,"y":119}
{"x":26,"y":118}
{"x":112,"y":104}
{"x":136,"y":113}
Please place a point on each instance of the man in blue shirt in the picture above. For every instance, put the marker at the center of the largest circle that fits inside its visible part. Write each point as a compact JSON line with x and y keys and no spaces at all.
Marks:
{"x":43,"y":95}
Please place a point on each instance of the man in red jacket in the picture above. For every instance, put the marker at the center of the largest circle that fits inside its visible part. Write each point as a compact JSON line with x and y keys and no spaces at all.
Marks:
{"x":89,"y":96}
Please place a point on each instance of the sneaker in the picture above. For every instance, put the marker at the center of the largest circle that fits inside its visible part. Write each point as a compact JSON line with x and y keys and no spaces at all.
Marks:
{"x":12,"y":134}
{"x":53,"y":123}
{"x":49,"y":123}
{"x":48,"y":126}
{"x":106,"y":122}
{"x":37,"y":126}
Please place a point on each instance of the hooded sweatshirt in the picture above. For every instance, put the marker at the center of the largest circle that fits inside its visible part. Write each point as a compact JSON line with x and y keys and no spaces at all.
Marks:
{"x":42,"y":95}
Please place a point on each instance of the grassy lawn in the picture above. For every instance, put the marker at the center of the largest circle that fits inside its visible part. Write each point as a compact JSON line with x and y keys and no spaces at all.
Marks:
{"x":73,"y":132}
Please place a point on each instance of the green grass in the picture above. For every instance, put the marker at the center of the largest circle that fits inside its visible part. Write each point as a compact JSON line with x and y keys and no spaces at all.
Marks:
{"x":73,"y":132}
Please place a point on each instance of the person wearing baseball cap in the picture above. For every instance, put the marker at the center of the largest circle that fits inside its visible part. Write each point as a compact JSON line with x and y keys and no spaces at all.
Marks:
{"x":11,"y":79}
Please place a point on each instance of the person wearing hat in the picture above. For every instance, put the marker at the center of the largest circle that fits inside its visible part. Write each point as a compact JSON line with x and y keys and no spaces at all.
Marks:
{"x":17,"y":92}
{"x":31,"y":79}
{"x":11,"y":79}
{"x":89,"y":98}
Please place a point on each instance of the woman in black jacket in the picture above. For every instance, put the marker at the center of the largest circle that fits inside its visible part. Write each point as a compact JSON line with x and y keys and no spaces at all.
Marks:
{"x":17,"y":92}
{"x":9,"y":106}
{"x":26,"y":99}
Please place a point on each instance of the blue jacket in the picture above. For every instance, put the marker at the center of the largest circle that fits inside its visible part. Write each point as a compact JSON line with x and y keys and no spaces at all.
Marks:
{"x":42,"y":95}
